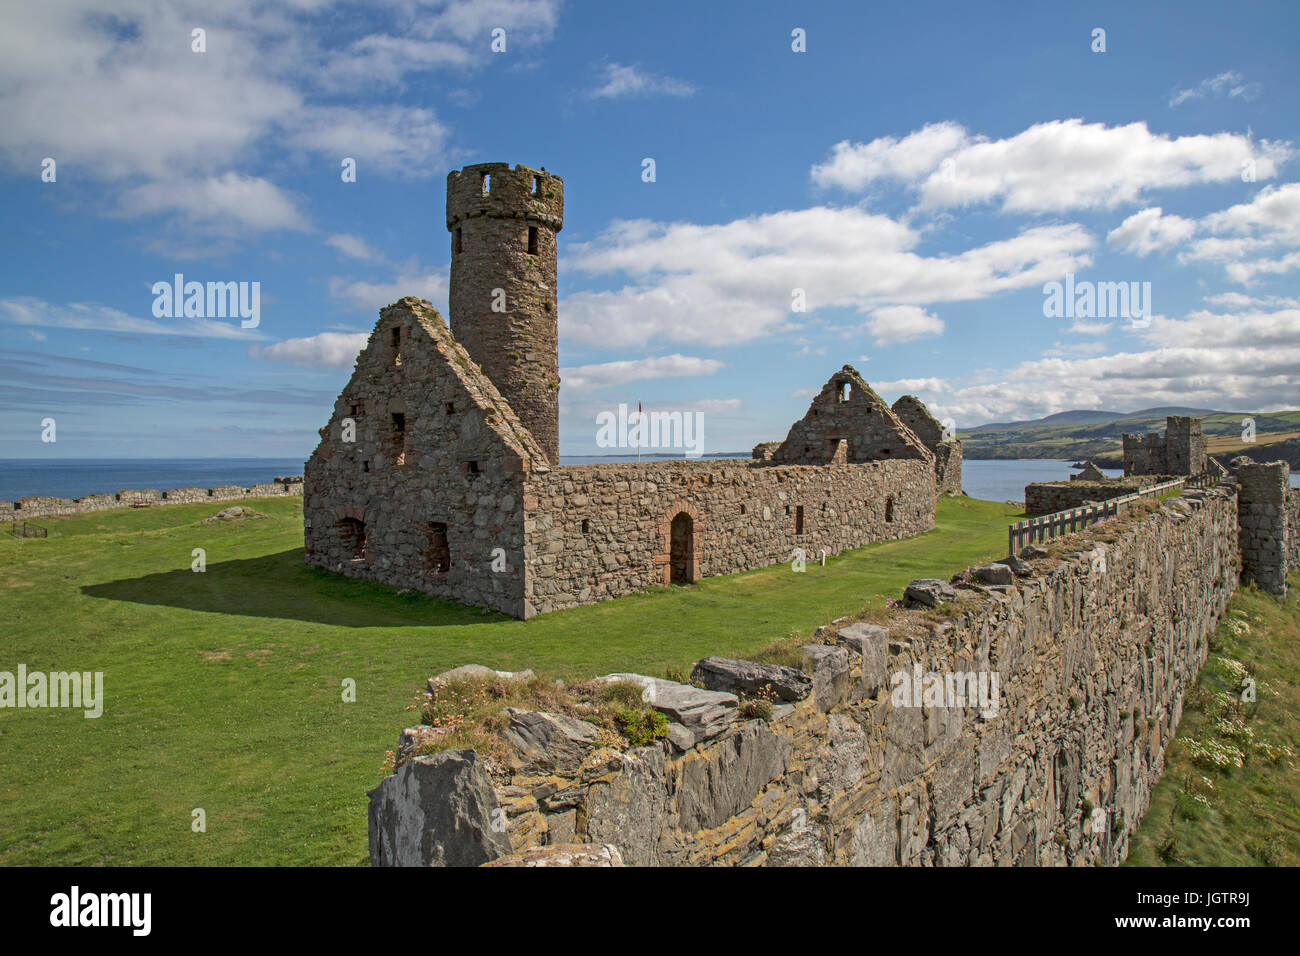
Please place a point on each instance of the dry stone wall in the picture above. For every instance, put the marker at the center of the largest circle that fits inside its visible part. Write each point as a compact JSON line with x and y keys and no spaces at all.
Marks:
{"x":594,"y":532}
{"x":43,"y":507}
{"x":1086,"y":657}
{"x":1045,"y":497}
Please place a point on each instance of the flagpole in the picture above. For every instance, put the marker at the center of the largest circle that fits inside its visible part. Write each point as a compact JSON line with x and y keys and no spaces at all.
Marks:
{"x":639,"y":419}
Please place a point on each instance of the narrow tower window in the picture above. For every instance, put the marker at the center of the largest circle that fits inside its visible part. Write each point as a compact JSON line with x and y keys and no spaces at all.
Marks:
{"x":537,"y":185}
{"x":456,"y":241}
{"x":532,"y":240}
{"x":487,"y":183}
{"x":798,"y":519}
{"x":845,"y":388}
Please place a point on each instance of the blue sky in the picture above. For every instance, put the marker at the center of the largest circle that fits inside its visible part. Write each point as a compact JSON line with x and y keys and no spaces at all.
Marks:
{"x":920,"y":172}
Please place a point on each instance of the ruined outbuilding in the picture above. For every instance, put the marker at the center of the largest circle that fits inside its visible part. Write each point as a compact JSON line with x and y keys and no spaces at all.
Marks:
{"x":439,"y":468}
{"x":1181,"y":450}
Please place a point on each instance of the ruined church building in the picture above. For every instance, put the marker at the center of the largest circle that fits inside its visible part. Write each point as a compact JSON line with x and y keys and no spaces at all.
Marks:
{"x":439,"y":469}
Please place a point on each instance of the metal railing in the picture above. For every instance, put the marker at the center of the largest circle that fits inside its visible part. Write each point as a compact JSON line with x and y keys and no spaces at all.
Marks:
{"x":1046,"y":527}
{"x":25,"y":529}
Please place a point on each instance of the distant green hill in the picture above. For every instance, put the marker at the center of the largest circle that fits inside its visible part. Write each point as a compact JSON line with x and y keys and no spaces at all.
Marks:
{"x":1096,"y":434}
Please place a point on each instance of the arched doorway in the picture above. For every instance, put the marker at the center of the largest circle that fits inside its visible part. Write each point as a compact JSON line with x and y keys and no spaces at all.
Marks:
{"x":681,"y":549}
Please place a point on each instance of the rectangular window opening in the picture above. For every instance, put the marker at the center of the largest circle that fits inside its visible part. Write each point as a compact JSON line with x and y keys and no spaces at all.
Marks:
{"x":456,"y":241}
{"x":532,"y":240}
{"x":487,"y":183}
{"x":437,"y":552}
{"x":798,"y":519}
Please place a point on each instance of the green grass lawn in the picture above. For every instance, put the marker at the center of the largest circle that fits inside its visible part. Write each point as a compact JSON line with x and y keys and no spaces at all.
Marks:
{"x":224,"y":689}
{"x":1203,"y":814}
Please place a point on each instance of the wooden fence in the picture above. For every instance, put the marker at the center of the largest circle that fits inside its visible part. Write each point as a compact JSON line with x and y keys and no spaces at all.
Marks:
{"x":1046,"y":527}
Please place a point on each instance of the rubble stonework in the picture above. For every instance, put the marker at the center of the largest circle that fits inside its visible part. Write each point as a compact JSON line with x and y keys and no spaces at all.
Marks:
{"x":1293,"y":527}
{"x":1263,"y":520}
{"x":1181,"y":450}
{"x":1045,"y":497}
{"x":1093,"y":658}
{"x":438,"y":470}
{"x":912,"y":412}
{"x":45,"y":507}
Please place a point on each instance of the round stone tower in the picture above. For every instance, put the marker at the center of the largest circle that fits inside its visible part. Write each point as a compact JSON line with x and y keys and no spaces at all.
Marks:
{"x":503,"y":224}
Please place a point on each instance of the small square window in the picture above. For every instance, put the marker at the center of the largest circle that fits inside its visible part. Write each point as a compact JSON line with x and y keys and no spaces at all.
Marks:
{"x":450,"y":408}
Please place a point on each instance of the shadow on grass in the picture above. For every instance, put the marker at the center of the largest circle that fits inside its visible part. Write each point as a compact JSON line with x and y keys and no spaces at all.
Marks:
{"x":283,"y":586}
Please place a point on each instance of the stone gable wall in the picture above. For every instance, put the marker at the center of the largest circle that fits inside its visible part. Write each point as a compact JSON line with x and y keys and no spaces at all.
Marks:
{"x":1094,"y":653}
{"x":743,"y":515}
{"x":462,"y":455}
{"x":861,"y":428}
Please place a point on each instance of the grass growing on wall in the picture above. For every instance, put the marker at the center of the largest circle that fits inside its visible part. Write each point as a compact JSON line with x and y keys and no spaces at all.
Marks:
{"x":1230,"y":794}
{"x":224,"y":689}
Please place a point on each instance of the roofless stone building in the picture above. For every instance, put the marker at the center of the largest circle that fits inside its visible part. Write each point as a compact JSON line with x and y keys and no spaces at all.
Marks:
{"x":439,"y":468}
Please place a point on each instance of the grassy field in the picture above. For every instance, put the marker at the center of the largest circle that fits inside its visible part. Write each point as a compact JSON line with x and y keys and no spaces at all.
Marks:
{"x":224,"y":689}
{"x":1206,"y":810}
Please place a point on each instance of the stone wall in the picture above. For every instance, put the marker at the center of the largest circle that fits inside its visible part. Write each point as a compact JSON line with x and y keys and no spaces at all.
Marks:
{"x":848,"y":421}
{"x":594,"y":532}
{"x":912,"y":412}
{"x":1045,"y":497}
{"x":424,"y":505}
{"x":1263,"y":524}
{"x":1293,"y":527}
{"x":1086,"y":656}
{"x":41,"y":507}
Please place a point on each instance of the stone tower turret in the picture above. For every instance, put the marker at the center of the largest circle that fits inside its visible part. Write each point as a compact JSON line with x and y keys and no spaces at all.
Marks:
{"x":503,"y":225}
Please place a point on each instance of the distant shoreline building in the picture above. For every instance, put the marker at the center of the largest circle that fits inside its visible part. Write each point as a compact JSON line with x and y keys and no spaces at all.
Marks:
{"x":439,"y":468}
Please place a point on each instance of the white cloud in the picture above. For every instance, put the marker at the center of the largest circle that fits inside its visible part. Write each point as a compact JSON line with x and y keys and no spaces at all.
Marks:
{"x":1247,"y":360}
{"x":585,"y":378}
{"x":618,"y":80}
{"x":1229,"y":83}
{"x":854,"y":166}
{"x":1050,"y":167}
{"x":1150,"y":231}
{"x":902,"y":323}
{"x":91,"y":316}
{"x":411,"y":280}
{"x":354,"y":247}
{"x":406,"y":140}
{"x":324,"y":350}
{"x":131,"y":102}
{"x":228,"y":204}
{"x":732,"y":282}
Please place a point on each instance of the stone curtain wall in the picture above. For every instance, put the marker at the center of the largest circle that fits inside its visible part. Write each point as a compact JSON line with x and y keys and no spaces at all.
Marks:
{"x":594,"y":532}
{"x":1094,"y":651}
{"x":40,"y":507}
{"x":1045,"y":497}
{"x":1293,"y":527}
{"x":1263,"y":524}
